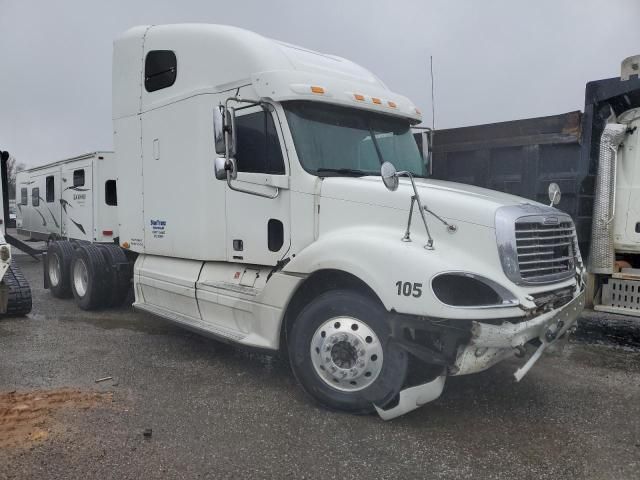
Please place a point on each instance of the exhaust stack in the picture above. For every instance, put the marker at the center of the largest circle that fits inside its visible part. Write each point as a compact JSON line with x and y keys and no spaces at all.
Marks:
{"x":602,"y":257}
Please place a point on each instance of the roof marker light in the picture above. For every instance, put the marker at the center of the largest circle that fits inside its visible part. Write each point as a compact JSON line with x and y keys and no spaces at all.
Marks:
{"x":358,"y":97}
{"x":318,"y":90}
{"x":392,"y":104}
{"x":377,"y":101}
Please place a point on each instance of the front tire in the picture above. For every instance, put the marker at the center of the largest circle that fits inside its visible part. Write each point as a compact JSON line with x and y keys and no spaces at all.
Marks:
{"x":341,"y":353}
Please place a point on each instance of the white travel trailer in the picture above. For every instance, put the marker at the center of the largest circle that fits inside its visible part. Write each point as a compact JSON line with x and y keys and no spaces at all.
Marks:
{"x":299,"y":233}
{"x":73,"y":198}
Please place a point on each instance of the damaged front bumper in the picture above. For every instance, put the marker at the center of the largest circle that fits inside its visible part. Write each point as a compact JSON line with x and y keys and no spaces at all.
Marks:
{"x":489,"y":344}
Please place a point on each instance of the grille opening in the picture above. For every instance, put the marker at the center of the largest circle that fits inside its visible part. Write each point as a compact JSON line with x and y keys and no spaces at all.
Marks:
{"x":545,"y":251}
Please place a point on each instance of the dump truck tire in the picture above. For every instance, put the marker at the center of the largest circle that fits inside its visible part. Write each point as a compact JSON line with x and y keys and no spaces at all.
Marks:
{"x":58,"y":268}
{"x":120,"y":272}
{"x":90,"y":278}
{"x":19,"y":303}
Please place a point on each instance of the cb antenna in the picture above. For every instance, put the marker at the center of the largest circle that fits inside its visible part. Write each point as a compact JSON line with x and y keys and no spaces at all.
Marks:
{"x":433,"y":105}
{"x":433,"y":118}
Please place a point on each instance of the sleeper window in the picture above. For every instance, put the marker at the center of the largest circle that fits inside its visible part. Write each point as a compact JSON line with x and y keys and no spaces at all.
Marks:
{"x":258,"y":148}
{"x":50,"y":189}
{"x":35,"y":197}
{"x":23,"y":196}
{"x":78,"y":178}
{"x":110,"y":193}
{"x":160,"y":68}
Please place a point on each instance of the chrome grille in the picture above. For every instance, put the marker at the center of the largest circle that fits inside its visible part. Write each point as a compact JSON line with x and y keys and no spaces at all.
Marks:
{"x":537,"y":244}
{"x":545,"y":251}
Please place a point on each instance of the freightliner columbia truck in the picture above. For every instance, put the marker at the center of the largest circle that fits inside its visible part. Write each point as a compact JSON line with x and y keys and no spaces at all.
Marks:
{"x":590,"y":159}
{"x":275,"y":197}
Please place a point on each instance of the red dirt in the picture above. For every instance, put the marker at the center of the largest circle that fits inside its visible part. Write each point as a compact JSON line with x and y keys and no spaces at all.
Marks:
{"x":29,"y":417}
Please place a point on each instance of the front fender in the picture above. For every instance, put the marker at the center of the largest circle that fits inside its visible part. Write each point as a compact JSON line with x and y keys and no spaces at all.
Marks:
{"x":379,"y":257}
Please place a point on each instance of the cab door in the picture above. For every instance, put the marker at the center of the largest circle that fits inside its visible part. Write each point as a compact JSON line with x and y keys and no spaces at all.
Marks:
{"x":258,"y":228}
{"x":77,"y":201}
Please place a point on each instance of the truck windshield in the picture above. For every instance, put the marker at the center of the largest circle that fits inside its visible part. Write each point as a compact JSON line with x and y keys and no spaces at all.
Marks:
{"x":332,"y":140}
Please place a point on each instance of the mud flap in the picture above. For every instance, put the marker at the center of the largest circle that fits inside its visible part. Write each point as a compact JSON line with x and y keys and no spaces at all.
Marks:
{"x":414,"y":397}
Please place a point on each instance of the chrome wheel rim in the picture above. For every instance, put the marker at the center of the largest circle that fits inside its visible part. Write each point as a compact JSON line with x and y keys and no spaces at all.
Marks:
{"x":54,"y":270}
{"x":346,"y":354}
{"x":80,"y":277}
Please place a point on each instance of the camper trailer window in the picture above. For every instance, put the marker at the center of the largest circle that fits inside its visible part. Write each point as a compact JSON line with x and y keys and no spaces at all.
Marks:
{"x":160,"y":69}
{"x":35,"y":197}
{"x":258,"y":147}
{"x":78,"y":178}
{"x":50,"y":189}
{"x":23,"y":196}
{"x":110,"y":194}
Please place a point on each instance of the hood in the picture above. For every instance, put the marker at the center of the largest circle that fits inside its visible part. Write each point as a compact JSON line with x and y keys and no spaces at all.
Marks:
{"x":453,"y":201}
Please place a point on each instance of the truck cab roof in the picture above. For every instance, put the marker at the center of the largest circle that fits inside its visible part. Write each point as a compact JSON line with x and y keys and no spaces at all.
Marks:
{"x":211,"y":59}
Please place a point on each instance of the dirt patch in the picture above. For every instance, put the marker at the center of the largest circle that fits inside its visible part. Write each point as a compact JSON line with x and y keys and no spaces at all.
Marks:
{"x":29,"y":417}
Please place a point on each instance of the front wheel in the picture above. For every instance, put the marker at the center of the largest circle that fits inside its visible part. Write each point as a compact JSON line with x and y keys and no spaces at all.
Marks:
{"x":340,"y":352}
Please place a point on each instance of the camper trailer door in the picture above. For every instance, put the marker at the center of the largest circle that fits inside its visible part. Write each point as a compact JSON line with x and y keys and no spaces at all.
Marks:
{"x":77,"y":200}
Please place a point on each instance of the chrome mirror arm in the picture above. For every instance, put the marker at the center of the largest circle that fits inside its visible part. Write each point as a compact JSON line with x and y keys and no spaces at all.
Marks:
{"x":416,"y":196}
{"x":230,"y":166}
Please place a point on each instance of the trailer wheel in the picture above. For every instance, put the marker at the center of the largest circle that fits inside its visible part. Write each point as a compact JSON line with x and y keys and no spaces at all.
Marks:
{"x":90,"y":279}
{"x":58,"y":268}
{"x":341,"y":354}
{"x":19,"y":303}
{"x":120,"y":272}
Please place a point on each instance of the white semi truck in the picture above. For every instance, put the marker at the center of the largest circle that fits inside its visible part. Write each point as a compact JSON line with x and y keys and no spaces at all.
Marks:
{"x":274,"y":197}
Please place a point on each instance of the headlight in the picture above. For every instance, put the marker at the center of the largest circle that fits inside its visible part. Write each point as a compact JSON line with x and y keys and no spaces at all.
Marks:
{"x":463,"y":289}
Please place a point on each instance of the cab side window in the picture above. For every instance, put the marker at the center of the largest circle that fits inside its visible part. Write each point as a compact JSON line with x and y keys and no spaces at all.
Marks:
{"x":160,"y":70}
{"x":258,"y":148}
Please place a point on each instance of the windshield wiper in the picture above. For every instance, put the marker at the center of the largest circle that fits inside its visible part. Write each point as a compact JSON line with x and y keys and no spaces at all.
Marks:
{"x":351,"y":172}
{"x":376,"y":146}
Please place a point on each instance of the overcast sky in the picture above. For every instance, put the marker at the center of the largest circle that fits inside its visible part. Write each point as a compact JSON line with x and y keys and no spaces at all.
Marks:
{"x":493,"y":60}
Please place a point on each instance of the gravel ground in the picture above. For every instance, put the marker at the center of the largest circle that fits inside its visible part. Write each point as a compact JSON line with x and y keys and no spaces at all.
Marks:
{"x":218,"y":412}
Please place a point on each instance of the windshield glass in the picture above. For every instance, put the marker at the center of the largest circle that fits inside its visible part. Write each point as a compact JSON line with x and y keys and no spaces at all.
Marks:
{"x":337,"y":140}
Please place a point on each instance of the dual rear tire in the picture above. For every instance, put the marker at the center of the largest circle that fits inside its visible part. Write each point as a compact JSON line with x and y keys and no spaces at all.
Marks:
{"x":97,"y":276}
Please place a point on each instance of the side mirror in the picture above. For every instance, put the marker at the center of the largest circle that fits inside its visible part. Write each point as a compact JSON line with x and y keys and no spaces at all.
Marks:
{"x":218,"y":167}
{"x":389,"y":176}
{"x":554,"y":194}
{"x":225,"y":169}
{"x":218,"y":130}
{"x":224,"y":121}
